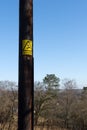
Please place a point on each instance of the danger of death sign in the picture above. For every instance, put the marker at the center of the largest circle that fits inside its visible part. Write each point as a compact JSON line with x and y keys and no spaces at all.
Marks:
{"x":26,"y":47}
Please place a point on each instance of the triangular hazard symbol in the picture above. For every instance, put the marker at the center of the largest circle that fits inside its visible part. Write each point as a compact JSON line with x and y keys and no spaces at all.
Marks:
{"x":27,"y":46}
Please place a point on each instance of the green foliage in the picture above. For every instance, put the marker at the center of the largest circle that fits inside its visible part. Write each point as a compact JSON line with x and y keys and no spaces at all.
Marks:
{"x":51,"y":81}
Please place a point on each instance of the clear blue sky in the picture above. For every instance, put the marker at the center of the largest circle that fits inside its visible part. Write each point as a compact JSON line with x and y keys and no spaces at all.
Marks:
{"x":60,"y":39}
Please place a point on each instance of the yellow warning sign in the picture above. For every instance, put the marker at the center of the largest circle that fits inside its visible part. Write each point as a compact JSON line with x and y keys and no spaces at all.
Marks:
{"x":26,"y":47}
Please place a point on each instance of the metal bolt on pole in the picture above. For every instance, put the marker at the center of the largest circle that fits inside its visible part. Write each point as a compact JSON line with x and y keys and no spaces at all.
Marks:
{"x":26,"y":67}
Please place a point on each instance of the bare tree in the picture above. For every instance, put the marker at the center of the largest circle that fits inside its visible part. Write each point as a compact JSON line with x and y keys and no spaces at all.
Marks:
{"x":8,"y":105}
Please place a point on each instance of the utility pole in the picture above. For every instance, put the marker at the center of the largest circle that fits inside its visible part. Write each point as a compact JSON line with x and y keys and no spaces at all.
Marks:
{"x":26,"y":67}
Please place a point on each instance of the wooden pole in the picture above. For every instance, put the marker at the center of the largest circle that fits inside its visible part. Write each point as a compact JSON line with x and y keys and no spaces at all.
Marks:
{"x":26,"y":80}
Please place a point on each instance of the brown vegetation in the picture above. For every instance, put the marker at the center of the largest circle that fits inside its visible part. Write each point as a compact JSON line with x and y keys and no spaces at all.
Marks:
{"x":54,"y":108}
{"x":8,"y":105}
